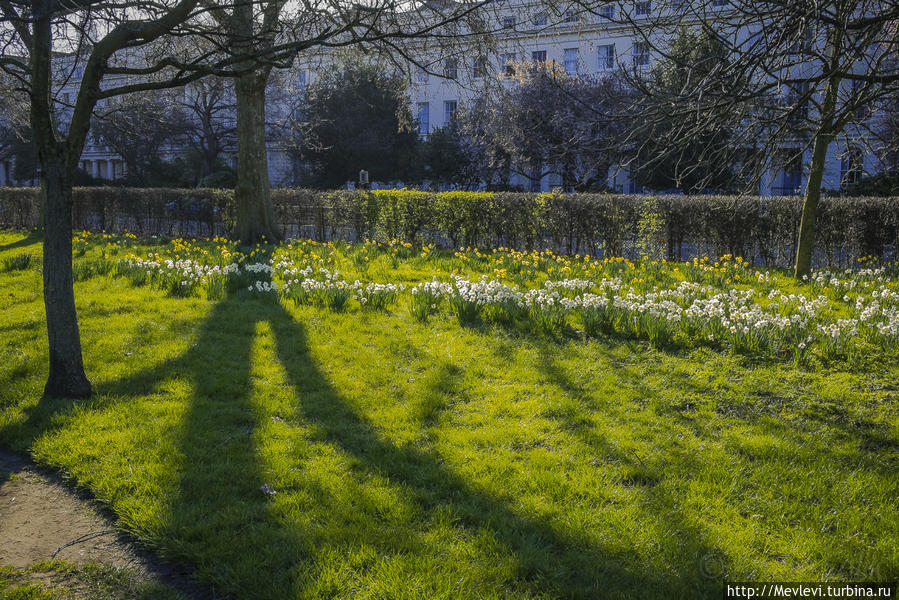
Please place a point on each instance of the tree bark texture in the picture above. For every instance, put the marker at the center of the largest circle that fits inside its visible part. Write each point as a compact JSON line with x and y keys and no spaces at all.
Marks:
{"x":252,"y":196}
{"x":66,"y":378}
{"x":806,"y":246}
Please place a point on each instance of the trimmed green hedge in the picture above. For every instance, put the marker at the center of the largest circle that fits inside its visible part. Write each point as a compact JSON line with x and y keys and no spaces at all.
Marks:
{"x":761,"y":229}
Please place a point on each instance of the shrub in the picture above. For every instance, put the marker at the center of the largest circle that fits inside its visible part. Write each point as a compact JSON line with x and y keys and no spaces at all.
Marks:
{"x":760,"y":229}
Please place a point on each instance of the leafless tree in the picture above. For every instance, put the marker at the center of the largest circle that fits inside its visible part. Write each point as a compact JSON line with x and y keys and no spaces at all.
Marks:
{"x":797,"y":74}
{"x":208,"y":106}
{"x":15,"y":133}
{"x":550,"y":122}
{"x":137,"y":127}
{"x":278,"y":30}
{"x":104,"y":49}
{"x":43,"y":43}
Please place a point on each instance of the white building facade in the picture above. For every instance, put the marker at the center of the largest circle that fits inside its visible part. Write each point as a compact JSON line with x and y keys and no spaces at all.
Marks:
{"x":582,"y":43}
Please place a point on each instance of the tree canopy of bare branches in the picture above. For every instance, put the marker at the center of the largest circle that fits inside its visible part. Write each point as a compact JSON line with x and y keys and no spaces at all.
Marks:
{"x":105,"y":49}
{"x":792,"y":74}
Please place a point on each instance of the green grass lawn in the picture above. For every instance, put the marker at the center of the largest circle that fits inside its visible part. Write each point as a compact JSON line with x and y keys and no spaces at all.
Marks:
{"x":58,"y":580}
{"x":429,"y":459}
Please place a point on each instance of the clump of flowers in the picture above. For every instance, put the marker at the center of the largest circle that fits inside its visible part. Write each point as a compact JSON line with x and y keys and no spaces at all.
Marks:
{"x":426,"y":297}
{"x":721,"y":303}
{"x":377,"y":296}
{"x":322,"y":288}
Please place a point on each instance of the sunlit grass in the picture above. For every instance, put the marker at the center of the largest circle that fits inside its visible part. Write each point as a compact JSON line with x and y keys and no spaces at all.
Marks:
{"x":430,"y":460}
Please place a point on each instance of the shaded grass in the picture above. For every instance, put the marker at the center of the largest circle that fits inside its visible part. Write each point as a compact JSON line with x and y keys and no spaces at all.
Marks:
{"x":21,"y":240}
{"x":59,"y":580}
{"x":18,"y":262}
{"x":433,"y":461}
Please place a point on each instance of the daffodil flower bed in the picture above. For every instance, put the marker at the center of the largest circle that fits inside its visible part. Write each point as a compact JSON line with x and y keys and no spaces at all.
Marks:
{"x":725,"y":304}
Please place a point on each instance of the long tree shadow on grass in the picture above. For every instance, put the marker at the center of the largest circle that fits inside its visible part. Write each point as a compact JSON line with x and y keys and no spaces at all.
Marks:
{"x":703,"y":564}
{"x":832,"y":422}
{"x":220,"y":520}
{"x":32,"y":238}
{"x":549,"y":562}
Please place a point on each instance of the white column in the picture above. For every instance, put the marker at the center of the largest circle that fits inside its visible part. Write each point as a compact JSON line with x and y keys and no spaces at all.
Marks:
{"x":2,"y":173}
{"x":95,"y":169}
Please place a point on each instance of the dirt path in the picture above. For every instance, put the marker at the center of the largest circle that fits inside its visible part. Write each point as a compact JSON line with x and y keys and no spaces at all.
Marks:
{"x":43,"y":519}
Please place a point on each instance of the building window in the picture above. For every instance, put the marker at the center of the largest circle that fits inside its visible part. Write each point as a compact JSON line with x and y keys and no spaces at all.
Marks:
{"x":301,"y":79}
{"x":538,"y":56}
{"x":720,"y":3}
{"x":851,"y":167}
{"x":451,"y":68}
{"x":607,"y":57}
{"x":507,"y":62}
{"x":607,"y":11}
{"x":791,"y":178}
{"x":449,"y":112}
{"x":480,"y":67}
{"x":508,"y":22}
{"x":641,"y":54}
{"x":424,"y":119}
{"x":798,"y":102}
{"x":570,"y":62}
{"x":570,"y":17}
{"x":642,"y":9}
{"x":422,"y":76}
{"x":540,"y":19}
{"x":555,"y":180}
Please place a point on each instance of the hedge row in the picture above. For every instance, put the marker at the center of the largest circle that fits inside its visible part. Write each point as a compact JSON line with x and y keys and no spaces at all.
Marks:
{"x":761,"y":229}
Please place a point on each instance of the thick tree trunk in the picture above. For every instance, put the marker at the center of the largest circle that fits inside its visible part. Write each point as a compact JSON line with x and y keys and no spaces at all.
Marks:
{"x":66,"y":378}
{"x":255,"y":216}
{"x":806,"y":246}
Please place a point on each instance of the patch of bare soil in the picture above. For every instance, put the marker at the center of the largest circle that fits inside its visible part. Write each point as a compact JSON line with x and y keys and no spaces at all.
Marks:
{"x":42,"y":519}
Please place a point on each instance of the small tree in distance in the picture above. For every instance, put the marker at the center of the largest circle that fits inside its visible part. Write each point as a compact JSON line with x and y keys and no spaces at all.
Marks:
{"x":137,"y":127}
{"x":445,"y":161}
{"x":664,"y":158}
{"x":210,"y":131}
{"x":550,"y":122}
{"x":355,"y":117}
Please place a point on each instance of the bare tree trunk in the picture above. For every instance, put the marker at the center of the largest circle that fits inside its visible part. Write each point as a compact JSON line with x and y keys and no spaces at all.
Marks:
{"x":66,"y":378}
{"x":255,"y":215}
{"x":823,"y":137}
{"x":806,"y":246}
